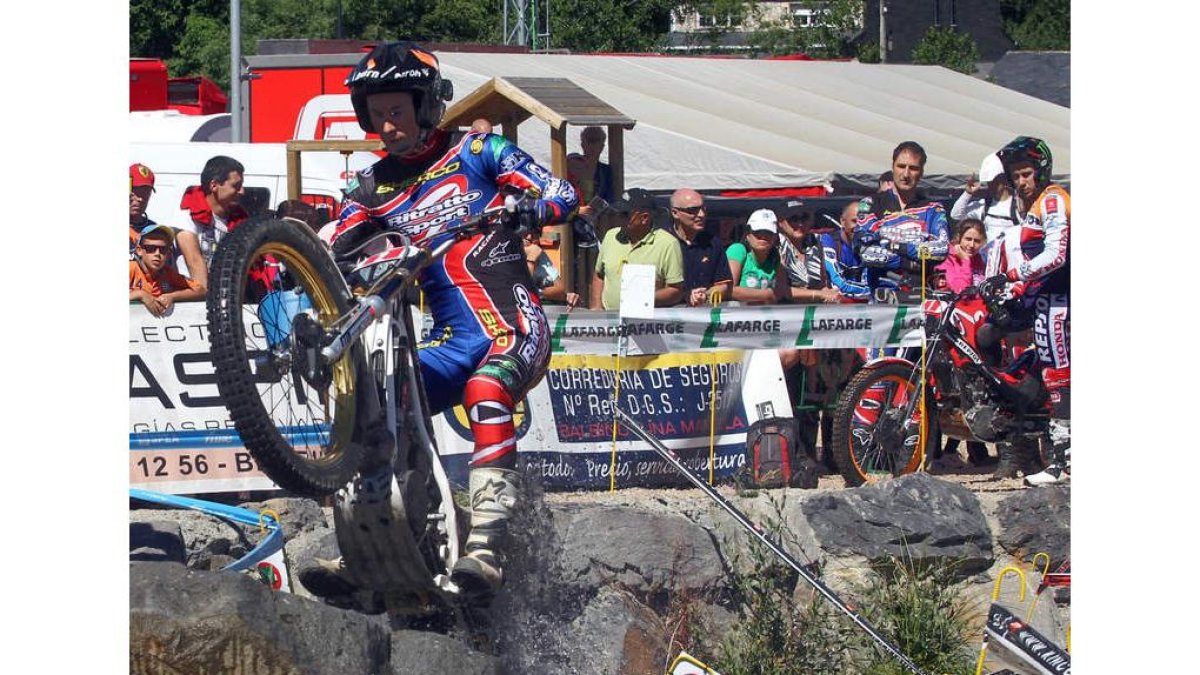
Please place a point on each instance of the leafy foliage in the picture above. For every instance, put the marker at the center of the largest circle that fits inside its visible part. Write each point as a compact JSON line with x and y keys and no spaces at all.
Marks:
{"x":927,"y":616}
{"x":610,"y":25}
{"x":943,"y":46}
{"x":787,"y":629}
{"x":1038,"y":24}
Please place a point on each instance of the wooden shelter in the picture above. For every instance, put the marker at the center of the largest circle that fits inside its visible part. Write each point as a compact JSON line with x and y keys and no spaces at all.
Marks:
{"x":507,"y":102}
{"x":559,"y":102}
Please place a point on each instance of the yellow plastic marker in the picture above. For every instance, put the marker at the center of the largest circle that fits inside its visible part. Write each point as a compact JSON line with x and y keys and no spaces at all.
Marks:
{"x":1045,"y":570}
{"x":996,"y":596}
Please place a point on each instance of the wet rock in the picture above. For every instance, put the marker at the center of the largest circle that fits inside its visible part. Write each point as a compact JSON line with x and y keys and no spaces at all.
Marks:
{"x":190,"y":621}
{"x":643,"y":551}
{"x":1036,"y":520}
{"x":616,"y":634}
{"x":915,"y":517}
{"x":420,"y":652}
{"x":156,"y":540}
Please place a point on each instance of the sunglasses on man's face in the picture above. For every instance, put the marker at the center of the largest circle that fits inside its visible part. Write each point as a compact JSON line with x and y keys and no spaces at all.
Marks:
{"x":690,"y":210}
{"x":156,"y":248}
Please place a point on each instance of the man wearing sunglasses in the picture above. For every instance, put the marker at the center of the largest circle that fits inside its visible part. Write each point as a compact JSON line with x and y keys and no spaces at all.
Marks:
{"x":151,"y":281}
{"x":706,"y":275}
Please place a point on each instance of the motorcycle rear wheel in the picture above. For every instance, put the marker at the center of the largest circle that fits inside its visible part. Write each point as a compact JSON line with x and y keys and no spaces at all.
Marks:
{"x":867,"y":442}
{"x":270,"y":283}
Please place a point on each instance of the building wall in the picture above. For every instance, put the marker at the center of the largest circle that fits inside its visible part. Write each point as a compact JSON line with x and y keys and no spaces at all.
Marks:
{"x":908,"y":20}
{"x":764,"y":12}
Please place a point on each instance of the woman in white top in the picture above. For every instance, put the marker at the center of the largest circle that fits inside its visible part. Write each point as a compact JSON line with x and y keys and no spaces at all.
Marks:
{"x":989,"y":199}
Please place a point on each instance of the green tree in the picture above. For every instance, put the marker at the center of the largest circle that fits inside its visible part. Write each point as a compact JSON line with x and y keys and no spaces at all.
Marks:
{"x":463,"y":21}
{"x":1037,"y":24}
{"x":155,"y":25}
{"x":943,"y":46}
{"x":833,"y":24}
{"x":610,"y":25}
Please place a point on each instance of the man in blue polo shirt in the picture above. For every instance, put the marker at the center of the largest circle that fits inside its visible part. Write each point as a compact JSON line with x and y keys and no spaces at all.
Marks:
{"x":706,"y":274}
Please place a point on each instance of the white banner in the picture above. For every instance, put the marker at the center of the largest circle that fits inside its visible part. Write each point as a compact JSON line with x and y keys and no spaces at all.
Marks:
{"x":182,"y":441}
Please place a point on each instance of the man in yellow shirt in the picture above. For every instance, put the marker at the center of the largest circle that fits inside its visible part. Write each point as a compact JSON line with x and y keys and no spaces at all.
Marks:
{"x":638,"y":243}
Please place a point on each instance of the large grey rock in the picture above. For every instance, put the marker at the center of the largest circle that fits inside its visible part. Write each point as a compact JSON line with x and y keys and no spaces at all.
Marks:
{"x":1036,"y":520}
{"x":191,"y":621}
{"x":296,"y":515}
{"x":616,"y":635}
{"x":643,"y":551}
{"x":157,"y":540}
{"x":915,"y":517}
{"x":419,"y":652}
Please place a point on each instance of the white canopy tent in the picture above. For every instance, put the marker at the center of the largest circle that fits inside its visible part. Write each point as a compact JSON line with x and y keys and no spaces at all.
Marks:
{"x":737,"y":124}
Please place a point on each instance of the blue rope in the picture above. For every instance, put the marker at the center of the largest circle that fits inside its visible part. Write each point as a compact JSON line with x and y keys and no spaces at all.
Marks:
{"x":265,"y":548}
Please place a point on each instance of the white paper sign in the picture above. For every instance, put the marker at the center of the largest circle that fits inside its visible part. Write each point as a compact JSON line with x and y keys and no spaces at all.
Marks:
{"x":637,"y":291}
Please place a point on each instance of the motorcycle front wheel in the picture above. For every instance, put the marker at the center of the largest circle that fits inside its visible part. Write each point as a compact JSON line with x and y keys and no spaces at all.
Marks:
{"x":273,"y":293}
{"x":870,"y":439}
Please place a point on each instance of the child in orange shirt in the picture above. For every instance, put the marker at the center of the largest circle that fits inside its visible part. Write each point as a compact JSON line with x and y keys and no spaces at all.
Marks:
{"x":151,"y":282}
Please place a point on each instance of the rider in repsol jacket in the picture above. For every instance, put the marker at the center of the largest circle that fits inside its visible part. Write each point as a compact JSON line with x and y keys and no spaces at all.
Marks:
{"x":903,"y":218}
{"x":1034,"y":259}
{"x":490,"y":340}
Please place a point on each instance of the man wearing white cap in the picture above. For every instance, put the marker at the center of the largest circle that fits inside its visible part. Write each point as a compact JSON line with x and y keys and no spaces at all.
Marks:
{"x":988,"y":199}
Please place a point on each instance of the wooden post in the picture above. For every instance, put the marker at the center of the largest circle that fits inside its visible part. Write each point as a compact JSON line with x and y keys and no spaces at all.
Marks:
{"x":293,"y":172}
{"x":616,"y":157}
{"x":508,"y":127}
{"x":566,"y":240}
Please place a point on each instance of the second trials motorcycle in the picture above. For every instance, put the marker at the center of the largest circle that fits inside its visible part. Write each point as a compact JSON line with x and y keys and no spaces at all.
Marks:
{"x":895,"y":410}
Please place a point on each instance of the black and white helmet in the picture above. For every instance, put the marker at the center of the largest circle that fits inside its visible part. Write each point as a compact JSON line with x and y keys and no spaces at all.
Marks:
{"x":400,"y":66}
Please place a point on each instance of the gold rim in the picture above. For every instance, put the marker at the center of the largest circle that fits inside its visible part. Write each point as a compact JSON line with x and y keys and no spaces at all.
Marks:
{"x":327,"y":313}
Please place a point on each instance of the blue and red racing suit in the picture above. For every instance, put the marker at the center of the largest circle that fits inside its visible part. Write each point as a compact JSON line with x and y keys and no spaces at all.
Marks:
{"x":843,"y":266}
{"x":905,"y":230}
{"x":490,"y":340}
{"x":1035,"y":256}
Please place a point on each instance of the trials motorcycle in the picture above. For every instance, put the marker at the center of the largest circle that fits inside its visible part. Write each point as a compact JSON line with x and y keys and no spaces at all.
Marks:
{"x":894,"y":411}
{"x":320,"y":374}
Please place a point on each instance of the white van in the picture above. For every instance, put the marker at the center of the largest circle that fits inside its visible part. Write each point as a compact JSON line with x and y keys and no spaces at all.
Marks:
{"x":177,"y":166}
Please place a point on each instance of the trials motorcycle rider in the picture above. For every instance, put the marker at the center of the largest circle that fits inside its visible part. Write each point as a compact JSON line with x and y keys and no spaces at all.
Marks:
{"x":490,"y":340}
{"x":1031,"y":263}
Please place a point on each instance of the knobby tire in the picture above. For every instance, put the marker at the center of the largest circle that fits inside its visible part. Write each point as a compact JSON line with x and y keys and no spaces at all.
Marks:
{"x":303,"y":263}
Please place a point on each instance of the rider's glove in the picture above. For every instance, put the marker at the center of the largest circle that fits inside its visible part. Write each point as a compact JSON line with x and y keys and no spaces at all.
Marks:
{"x":993,"y":287}
{"x":1014,"y":275}
{"x":1013,"y":290}
{"x":866,"y":238}
{"x":530,"y":216}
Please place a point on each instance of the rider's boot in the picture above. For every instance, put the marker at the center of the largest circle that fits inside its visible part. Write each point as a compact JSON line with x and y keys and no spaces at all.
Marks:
{"x":1059,"y":468}
{"x":1015,"y":459}
{"x":494,"y":493}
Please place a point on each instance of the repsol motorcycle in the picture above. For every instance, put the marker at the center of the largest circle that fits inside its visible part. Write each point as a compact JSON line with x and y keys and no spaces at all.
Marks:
{"x":895,"y":410}
{"x":309,"y":367}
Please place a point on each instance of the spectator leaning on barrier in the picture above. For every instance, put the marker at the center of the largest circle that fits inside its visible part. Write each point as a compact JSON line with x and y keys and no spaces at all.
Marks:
{"x":141,"y":185}
{"x":988,"y":199}
{"x":151,"y":281}
{"x":800,"y":253}
{"x":547,"y":281}
{"x":705,"y":267}
{"x":842,"y":265}
{"x":754,"y":262}
{"x":209,"y":211}
{"x":638,"y":242}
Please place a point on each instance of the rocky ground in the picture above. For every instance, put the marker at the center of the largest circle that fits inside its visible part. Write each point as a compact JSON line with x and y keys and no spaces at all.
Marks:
{"x":594,"y":576}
